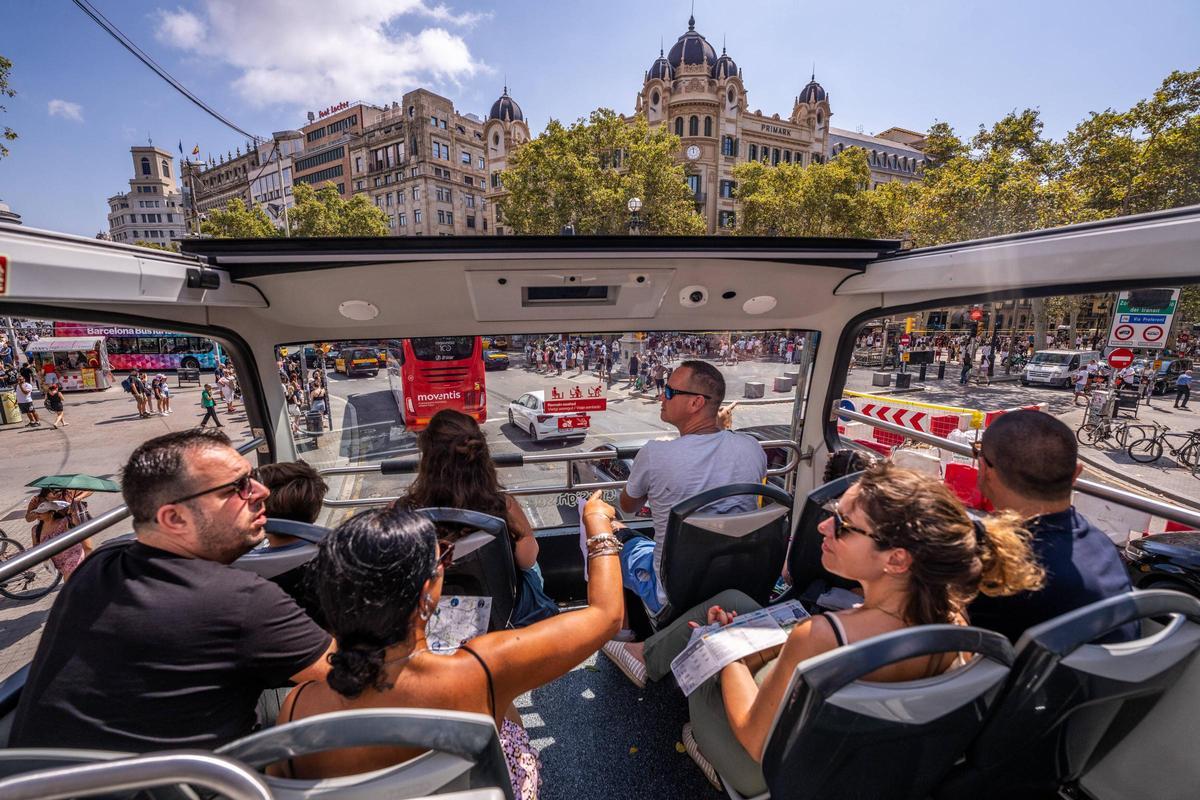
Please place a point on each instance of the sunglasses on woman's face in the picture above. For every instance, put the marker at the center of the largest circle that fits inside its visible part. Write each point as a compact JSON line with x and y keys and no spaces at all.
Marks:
{"x":840,"y":526}
{"x":445,"y":555}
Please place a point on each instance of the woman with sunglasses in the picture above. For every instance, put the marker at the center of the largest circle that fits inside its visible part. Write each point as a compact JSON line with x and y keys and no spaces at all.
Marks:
{"x":919,"y":558}
{"x":378,"y":577}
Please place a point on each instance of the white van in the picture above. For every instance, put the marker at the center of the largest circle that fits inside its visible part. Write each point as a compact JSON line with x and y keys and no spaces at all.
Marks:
{"x":1055,"y":367}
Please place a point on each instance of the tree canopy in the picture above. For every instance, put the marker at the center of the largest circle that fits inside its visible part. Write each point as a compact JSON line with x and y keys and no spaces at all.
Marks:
{"x":318,"y":212}
{"x":8,"y":134}
{"x":235,"y":221}
{"x":585,"y":174}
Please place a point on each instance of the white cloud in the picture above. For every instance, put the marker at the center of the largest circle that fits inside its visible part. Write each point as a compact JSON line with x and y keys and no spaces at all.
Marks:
{"x":312,"y":53}
{"x":65,"y":109}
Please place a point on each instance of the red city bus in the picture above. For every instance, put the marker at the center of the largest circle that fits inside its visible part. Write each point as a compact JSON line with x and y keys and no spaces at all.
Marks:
{"x":430,"y":373}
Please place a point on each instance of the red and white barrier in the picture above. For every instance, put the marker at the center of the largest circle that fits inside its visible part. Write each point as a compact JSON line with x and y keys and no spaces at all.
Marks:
{"x":991,"y":416}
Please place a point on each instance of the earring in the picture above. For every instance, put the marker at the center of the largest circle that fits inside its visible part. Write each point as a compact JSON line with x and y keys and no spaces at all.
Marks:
{"x":424,"y":614}
{"x":429,"y":598}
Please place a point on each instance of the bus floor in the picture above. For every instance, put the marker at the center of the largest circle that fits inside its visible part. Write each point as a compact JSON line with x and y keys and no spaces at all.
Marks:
{"x":599,"y":736}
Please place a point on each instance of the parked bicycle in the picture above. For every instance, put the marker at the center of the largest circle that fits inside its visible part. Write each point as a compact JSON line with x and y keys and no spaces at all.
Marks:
{"x":1111,"y":431}
{"x":1150,"y":449}
{"x":36,"y":581}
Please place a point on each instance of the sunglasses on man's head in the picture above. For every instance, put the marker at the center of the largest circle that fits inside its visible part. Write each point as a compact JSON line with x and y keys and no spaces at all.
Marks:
{"x":670,"y":391}
{"x":977,"y":453}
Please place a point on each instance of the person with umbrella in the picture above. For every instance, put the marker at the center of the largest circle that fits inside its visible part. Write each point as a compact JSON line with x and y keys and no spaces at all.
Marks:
{"x":60,"y":506}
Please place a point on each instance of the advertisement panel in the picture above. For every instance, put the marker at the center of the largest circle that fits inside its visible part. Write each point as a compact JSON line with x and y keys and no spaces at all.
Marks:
{"x":1143,"y":318}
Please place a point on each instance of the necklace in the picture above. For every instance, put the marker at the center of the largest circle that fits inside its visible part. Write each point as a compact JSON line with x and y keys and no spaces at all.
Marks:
{"x":891,"y":614}
{"x":406,"y":658}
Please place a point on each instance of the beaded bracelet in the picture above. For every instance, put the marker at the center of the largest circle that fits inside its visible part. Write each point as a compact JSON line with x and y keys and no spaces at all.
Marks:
{"x":603,"y":538}
{"x":607,"y":551}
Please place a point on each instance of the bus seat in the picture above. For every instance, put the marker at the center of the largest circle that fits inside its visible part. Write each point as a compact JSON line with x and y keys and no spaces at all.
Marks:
{"x":839,"y":736}
{"x":269,"y":562}
{"x":809,"y":577}
{"x":486,"y":570}
{"x":1066,"y":694}
{"x":26,"y":772}
{"x":464,"y":753}
{"x":10,"y":695}
{"x":705,"y":554}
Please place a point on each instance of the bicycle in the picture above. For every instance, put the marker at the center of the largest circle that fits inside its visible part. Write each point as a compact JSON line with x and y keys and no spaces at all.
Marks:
{"x":1150,"y":449}
{"x":36,"y":581}
{"x":1120,"y":431}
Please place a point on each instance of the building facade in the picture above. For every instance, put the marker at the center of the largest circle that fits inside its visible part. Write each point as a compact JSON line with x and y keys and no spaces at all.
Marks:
{"x":424,"y":164}
{"x":271,"y":180}
{"x":152,"y":210}
{"x":213,"y":184}
{"x":504,"y":131}
{"x":329,"y":137}
{"x":893,"y":155}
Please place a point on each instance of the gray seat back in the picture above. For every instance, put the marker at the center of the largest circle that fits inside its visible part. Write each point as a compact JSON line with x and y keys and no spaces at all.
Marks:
{"x":268,"y":562}
{"x":49,"y":773}
{"x":836,"y":735}
{"x":1070,"y":701}
{"x":464,"y":753}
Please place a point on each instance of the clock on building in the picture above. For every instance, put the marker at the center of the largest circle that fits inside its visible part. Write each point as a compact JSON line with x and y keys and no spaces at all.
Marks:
{"x":693,"y":152}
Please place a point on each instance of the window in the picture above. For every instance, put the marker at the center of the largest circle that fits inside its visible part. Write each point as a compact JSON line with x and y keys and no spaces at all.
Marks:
{"x":319,"y":133}
{"x":727,"y":188}
{"x":322,"y":175}
{"x":694,"y":126}
{"x":471,"y":222}
{"x":465,"y":157}
{"x":166,"y":169}
{"x":679,"y":126}
{"x":495,"y":180}
{"x":388,"y":202}
{"x":468,"y":181}
{"x":708,"y":126}
{"x":728,"y":146}
{"x":442,"y":194}
{"x":402,"y":219}
{"x":416,"y":194}
{"x":433,"y":121}
{"x":412,"y":173}
{"x":775,"y":156}
{"x":443,"y":124}
{"x":693,"y":182}
{"x":358,"y":163}
{"x":754,"y":152}
{"x":145,"y":166}
{"x":787,"y":156}
{"x":332,"y":154}
{"x":441,"y":217}
{"x":479,"y":163}
{"x":468,"y":200}
{"x":726,"y":219}
{"x":449,"y":217}
{"x":417,"y":216}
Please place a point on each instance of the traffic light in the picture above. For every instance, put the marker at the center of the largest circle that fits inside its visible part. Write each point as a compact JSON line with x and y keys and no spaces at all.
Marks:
{"x":908,"y":324}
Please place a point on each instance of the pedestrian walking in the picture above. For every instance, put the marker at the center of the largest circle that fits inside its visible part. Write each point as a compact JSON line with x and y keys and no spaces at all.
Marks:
{"x":53,"y":512}
{"x":54,"y":403}
{"x":25,"y":401}
{"x":225,"y":384}
{"x":1081,"y":383}
{"x":1183,"y":389}
{"x":210,"y":407}
{"x":968,"y":360}
{"x":1149,"y":373}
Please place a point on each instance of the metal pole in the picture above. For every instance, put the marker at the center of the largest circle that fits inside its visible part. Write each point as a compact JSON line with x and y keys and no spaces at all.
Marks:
{"x":224,"y":776}
{"x":287,"y":225}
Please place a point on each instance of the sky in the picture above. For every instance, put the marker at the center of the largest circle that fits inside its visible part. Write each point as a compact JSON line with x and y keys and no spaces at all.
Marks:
{"x":82,"y":100}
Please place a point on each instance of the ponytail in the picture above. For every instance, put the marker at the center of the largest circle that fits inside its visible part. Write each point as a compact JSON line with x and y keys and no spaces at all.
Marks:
{"x":1008,"y":562}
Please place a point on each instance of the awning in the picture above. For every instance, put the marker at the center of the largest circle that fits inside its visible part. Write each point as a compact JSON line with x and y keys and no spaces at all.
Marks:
{"x":60,"y":344}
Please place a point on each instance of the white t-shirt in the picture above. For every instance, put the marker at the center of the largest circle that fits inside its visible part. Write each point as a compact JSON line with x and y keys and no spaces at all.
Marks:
{"x":669,"y":472}
{"x":24,"y":392}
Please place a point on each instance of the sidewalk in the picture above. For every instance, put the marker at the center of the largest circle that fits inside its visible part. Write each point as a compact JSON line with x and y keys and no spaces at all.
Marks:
{"x":1166,"y":477}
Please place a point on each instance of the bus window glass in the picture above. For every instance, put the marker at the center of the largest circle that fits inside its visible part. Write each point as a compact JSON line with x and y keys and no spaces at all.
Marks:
{"x":504,"y":381}
{"x":149,"y":345}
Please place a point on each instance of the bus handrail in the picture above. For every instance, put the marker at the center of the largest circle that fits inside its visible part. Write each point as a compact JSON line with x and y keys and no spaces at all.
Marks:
{"x":409,"y":463}
{"x":52,"y":547}
{"x":1158,"y":508}
{"x":222,"y":775}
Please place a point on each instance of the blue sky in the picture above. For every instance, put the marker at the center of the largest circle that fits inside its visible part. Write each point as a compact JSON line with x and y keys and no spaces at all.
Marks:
{"x":83,"y":100}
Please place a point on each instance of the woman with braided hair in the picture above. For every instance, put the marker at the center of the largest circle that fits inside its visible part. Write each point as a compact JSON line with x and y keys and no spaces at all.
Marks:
{"x":378,"y":577}
{"x":457,"y":471}
{"x":920,"y":560}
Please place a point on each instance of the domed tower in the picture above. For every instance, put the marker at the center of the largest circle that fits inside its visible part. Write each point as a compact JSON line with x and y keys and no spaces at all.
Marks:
{"x":811,"y":110}
{"x":656,"y":89}
{"x":504,"y":131}
{"x":730,"y":89}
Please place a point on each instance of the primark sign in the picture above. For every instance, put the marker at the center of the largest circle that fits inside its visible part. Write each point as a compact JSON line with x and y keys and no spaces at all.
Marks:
{"x":775,"y":129}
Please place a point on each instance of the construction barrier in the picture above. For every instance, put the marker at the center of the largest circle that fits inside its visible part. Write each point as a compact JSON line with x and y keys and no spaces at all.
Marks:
{"x":969,"y":417}
{"x":992,"y":416}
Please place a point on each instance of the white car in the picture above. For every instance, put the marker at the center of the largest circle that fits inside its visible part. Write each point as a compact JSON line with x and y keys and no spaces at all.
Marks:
{"x":526,"y":413}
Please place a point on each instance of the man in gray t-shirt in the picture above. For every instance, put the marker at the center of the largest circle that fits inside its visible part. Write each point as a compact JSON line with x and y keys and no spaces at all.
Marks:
{"x":668,"y":472}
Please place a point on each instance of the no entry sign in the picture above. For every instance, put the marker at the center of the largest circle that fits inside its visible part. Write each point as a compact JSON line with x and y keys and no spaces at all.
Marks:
{"x":1120,"y":358}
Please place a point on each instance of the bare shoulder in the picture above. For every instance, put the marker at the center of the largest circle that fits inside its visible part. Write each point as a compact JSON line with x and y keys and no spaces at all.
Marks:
{"x":810,"y":637}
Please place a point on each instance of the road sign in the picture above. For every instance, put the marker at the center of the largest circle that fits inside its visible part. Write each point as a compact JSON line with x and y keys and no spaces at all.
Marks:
{"x":1120,"y":358}
{"x":904,"y":340}
{"x":580,"y":404}
{"x":976,"y":314}
{"x":574,"y":423}
{"x":3,"y":274}
{"x":1143,"y":317}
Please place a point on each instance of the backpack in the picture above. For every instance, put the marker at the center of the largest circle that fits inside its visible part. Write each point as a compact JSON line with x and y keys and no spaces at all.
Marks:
{"x":127,"y":385}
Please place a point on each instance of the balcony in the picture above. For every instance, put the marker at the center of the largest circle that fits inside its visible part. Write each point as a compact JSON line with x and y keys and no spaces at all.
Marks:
{"x":701,"y":198}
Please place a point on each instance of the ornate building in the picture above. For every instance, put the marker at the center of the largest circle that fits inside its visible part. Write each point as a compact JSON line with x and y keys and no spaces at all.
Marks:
{"x":702,"y":97}
{"x":504,"y":131}
{"x":152,"y":210}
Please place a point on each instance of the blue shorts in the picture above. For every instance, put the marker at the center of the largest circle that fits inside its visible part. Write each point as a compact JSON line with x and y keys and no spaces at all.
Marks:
{"x":637,"y":571}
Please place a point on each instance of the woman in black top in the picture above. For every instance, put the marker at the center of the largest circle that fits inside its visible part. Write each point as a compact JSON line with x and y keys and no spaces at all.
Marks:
{"x":54,"y":402}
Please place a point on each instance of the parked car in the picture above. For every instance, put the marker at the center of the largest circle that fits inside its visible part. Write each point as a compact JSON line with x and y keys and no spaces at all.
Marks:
{"x":1165,"y":561}
{"x":1055,"y":367}
{"x":357,"y":361}
{"x":1168,"y":373}
{"x":528,"y":414}
{"x":495,"y":359}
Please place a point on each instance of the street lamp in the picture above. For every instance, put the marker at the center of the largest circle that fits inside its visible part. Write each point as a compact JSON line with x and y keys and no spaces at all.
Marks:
{"x":635,"y":219}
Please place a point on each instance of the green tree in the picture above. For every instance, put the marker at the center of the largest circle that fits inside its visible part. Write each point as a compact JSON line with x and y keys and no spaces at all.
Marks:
{"x":173,"y":247}
{"x":235,"y":221}
{"x":323,"y":212}
{"x":822,"y":199}
{"x":942,"y":143}
{"x":585,"y":174}
{"x":8,"y":134}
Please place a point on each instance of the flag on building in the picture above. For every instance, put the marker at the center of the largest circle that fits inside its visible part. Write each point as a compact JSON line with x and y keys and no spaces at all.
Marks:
{"x":181,"y":147}
{"x":196,"y":150}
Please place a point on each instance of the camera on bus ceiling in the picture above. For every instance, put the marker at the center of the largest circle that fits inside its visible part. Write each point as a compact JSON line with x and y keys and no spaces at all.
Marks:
{"x":693,"y":296}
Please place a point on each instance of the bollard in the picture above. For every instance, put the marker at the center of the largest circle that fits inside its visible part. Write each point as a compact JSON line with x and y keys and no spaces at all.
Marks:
{"x":881,"y":379}
{"x":754,"y":390}
{"x":903,"y":380}
{"x":921,"y":375}
{"x":783,"y":384}
{"x":941,"y":370}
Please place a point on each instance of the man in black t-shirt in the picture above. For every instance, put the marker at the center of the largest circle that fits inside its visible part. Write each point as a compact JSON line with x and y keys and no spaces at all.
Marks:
{"x":1028,"y":464}
{"x":159,"y":643}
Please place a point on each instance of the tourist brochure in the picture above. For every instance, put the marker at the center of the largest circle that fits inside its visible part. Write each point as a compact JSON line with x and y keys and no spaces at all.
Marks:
{"x":714,"y":646}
